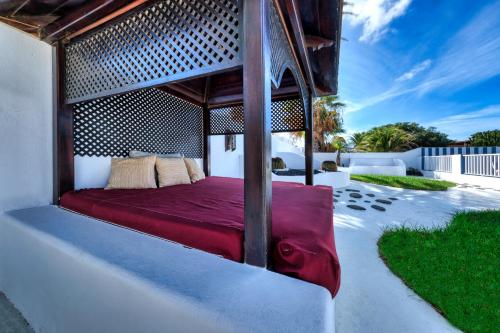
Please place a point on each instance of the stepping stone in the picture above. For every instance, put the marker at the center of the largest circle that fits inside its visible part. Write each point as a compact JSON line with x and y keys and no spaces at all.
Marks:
{"x":336,"y":196}
{"x":379,"y":208}
{"x":352,"y":200}
{"x":356,"y":207}
{"x":351,"y":190}
{"x":367,"y":201}
{"x":335,"y":200}
{"x":386,"y":202}
{"x":339,"y":192}
{"x":355,"y":195}
{"x":371,"y":195}
{"x":393,"y":199}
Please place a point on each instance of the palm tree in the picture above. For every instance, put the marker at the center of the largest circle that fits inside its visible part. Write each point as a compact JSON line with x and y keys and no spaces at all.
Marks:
{"x":386,"y":139}
{"x":327,"y":121}
{"x":358,"y":141}
{"x":339,"y":144}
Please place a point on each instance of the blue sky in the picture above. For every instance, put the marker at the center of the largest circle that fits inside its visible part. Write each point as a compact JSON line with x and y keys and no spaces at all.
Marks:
{"x":435,"y":62}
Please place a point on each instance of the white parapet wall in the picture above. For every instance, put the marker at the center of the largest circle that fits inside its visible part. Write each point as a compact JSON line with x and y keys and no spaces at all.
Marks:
{"x":25,"y":120}
{"x":69,"y":273}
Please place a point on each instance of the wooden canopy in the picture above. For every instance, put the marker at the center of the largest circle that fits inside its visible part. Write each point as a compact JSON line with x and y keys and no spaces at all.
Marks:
{"x":212,"y":53}
{"x":314,"y":27}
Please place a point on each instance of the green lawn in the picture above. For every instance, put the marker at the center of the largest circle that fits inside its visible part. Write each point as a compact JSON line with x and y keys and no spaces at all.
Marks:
{"x":409,"y":182}
{"x":456,"y":268}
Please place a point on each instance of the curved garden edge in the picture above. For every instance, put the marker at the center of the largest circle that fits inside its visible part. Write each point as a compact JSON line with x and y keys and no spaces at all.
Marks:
{"x":406,"y":182}
{"x":453,"y":267}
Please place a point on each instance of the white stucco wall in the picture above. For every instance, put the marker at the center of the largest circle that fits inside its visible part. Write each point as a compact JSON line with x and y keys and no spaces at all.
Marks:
{"x":25,"y":120}
{"x":230,"y":163}
{"x":411,"y":158}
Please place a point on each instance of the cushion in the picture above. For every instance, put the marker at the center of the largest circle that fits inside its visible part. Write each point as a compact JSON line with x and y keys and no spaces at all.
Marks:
{"x":138,"y":153}
{"x":172,"y":171}
{"x":132,"y":173}
{"x":194,"y":170}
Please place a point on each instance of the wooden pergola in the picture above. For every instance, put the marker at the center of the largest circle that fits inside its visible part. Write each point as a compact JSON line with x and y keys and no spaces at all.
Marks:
{"x":248,"y":57}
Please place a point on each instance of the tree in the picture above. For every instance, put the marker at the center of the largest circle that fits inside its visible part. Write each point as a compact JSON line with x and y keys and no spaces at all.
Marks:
{"x":423,"y":137}
{"x":485,"y":139}
{"x":327,"y":121}
{"x":358,"y":141}
{"x":385,"y":139}
{"x":339,"y":145}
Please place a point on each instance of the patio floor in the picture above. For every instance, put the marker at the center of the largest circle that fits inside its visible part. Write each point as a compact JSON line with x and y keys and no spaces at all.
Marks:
{"x":371,"y":298}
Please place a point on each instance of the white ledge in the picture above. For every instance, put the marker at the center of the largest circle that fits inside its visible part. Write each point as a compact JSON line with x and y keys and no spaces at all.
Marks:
{"x":70,"y":273}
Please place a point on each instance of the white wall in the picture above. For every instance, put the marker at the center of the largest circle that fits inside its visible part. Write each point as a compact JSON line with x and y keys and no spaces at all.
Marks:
{"x":25,"y":120}
{"x":230,"y":163}
{"x":411,"y":158}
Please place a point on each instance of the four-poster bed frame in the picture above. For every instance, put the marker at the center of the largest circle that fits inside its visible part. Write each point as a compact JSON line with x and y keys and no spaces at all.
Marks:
{"x":251,"y":66}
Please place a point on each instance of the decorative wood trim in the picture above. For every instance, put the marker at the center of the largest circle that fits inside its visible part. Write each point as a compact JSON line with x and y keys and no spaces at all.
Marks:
{"x":309,"y":143}
{"x":63,"y":142}
{"x":294,"y":15}
{"x":257,"y":148}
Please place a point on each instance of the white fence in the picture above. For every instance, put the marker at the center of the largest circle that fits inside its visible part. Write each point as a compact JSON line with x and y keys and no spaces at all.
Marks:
{"x":438,"y":163}
{"x":482,"y":165}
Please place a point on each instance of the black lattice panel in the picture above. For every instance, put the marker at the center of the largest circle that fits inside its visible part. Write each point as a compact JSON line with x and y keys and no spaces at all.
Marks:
{"x":166,"y":41}
{"x":148,"y":120}
{"x":286,"y":116}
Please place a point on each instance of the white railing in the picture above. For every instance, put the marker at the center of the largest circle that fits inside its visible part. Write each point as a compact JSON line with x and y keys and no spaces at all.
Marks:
{"x":438,"y":163}
{"x":482,"y":165}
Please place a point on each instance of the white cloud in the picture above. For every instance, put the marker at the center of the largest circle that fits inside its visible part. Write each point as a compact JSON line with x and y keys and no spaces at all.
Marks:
{"x":461,"y":126}
{"x":375,"y":16}
{"x":415,"y":70}
{"x":468,"y":58}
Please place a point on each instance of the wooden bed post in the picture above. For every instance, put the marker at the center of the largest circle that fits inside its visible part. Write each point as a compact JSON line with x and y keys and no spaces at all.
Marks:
{"x":63,"y":129}
{"x":257,"y":149}
{"x":206,"y":140}
{"x":309,"y":142}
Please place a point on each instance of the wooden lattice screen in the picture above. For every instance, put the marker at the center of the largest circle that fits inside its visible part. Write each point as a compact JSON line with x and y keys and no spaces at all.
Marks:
{"x":286,"y":116}
{"x":148,"y":120}
{"x":169,"y":40}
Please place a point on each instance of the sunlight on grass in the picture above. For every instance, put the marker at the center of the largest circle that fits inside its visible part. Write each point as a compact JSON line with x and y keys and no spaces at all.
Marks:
{"x":454,"y":268}
{"x":408,"y":182}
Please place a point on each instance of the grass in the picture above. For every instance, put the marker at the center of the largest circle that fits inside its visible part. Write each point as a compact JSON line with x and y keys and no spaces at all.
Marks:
{"x":413,"y":183}
{"x":456,"y":268}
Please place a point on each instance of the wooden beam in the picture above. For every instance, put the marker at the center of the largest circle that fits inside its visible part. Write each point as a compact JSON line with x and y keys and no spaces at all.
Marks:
{"x":63,"y":130}
{"x":221,"y":101}
{"x":316,"y":43}
{"x":85,"y":15}
{"x":308,"y":145}
{"x":206,"y":129}
{"x":257,"y":147}
{"x":294,"y":15}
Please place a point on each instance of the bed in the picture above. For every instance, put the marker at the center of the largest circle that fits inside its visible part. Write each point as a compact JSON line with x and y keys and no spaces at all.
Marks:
{"x":208,"y":215}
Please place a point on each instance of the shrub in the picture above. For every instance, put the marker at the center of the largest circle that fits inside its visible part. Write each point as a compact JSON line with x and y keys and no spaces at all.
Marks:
{"x":413,"y":172}
{"x":278,"y":163}
{"x":329,"y":166}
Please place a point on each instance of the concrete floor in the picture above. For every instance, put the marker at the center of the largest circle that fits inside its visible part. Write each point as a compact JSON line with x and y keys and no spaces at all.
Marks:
{"x":371,"y":298}
{"x":11,"y":320}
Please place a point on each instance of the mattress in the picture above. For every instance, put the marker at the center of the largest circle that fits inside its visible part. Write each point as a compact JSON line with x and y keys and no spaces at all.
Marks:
{"x":208,"y":215}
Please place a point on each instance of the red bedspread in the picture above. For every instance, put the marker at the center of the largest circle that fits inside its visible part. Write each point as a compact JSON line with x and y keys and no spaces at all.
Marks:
{"x":208,"y":215}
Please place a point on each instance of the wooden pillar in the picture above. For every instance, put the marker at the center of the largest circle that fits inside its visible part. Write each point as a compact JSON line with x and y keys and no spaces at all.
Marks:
{"x":206,"y":140}
{"x":63,"y":131}
{"x":308,"y":145}
{"x":257,"y":148}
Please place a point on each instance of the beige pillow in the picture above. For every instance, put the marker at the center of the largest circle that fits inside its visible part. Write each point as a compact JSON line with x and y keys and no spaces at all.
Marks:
{"x":172,"y":171}
{"x":132,"y":173}
{"x":194,"y":170}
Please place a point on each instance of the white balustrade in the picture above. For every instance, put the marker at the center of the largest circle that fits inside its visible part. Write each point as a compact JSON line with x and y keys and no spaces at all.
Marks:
{"x":482,"y":165}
